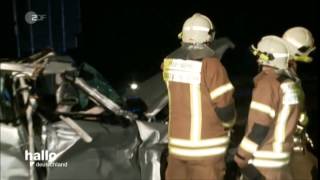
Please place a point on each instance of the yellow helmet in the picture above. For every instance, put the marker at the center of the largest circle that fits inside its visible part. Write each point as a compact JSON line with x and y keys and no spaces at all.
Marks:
{"x":197,"y":29}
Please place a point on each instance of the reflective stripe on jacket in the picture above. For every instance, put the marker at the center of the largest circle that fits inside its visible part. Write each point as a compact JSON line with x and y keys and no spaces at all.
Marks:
{"x":274,"y":112}
{"x":195,"y":89}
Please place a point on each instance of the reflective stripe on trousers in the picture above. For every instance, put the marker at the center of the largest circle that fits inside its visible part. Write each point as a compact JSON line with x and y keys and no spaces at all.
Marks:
{"x":201,"y":148}
{"x":270,"y":159}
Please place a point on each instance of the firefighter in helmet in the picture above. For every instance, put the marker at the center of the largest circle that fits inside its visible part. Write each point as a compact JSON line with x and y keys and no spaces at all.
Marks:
{"x":264,"y":152}
{"x":201,"y":105}
{"x":303,"y":164}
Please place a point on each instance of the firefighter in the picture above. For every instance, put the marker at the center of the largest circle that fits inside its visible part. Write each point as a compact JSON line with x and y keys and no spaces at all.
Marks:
{"x":201,"y":105}
{"x":264,"y":152}
{"x":300,"y":43}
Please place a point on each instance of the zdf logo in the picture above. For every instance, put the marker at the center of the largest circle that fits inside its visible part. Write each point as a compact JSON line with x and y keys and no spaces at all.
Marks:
{"x":31,"y":17}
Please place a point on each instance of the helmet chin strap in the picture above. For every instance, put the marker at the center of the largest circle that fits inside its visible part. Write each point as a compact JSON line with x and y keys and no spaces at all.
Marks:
{"x":212,"y":35}
{"x":260,"y":67}
{"x":180,"y":35}
{"x":287,"y":72}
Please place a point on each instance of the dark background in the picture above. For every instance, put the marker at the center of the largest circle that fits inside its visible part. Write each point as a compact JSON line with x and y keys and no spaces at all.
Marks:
{"x":128,"y":41}
{"x":138,"y":37}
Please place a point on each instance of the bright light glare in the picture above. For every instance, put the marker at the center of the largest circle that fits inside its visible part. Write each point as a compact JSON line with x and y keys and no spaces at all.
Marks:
{"x":134,"y":86}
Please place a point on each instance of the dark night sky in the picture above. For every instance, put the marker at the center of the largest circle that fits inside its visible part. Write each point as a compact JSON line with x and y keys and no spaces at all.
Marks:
{"x":134,"y":39}
{"x":128,"y":41}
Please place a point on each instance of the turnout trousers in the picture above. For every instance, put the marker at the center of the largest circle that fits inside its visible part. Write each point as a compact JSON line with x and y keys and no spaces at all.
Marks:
{"x":283,"y":173}
{"x":212,"y":168}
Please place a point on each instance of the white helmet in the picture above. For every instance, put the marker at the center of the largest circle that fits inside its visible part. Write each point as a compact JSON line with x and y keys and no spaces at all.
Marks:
{"x":272,"y":51}
{"x":197,"y":29}
{"x":300,"y":43}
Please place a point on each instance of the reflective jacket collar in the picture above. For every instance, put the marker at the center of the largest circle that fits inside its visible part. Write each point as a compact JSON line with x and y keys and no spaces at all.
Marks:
{"x":192,"y":52}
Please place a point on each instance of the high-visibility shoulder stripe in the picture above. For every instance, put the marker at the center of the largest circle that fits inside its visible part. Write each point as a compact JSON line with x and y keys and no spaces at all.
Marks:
{"x":201,"y":143}
{"x":182,"y":77}
{"x":197,"y":152}
{"x":221,"y":90}
{"x":182,"y":71}
{"x":248,"y":145}
{"x":263,"y":108}
{"x":291,"y":93}
{"x":182,"y":65}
